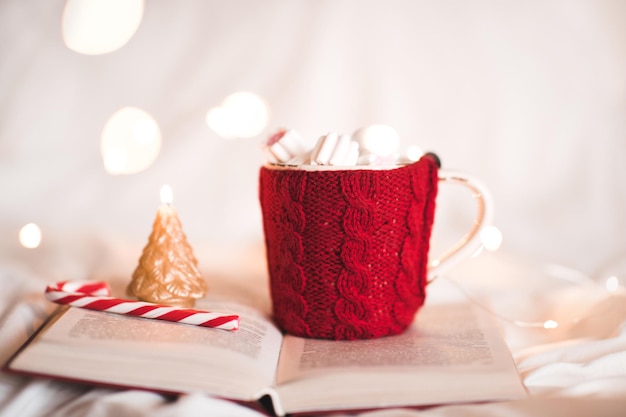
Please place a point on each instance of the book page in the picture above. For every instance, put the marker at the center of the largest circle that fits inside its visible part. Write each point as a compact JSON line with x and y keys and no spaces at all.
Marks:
{"x":452,"y":353}
{"x":129,"y":351}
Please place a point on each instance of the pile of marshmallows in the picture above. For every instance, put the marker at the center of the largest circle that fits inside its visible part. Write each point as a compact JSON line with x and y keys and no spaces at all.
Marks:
{"x":287,"y":147}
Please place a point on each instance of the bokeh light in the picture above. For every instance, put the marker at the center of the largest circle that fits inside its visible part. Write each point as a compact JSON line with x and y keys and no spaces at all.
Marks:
{"x":95,"y":27}
{"x":223,"y":122}
{"x":240,"y":115}
{"x":414,"y":153}
{"x":491,"y":238}
{"x":131,"y":141}
{"x":380,"y":140}
{"x":30,"y":236}
{"x":115,"y":160}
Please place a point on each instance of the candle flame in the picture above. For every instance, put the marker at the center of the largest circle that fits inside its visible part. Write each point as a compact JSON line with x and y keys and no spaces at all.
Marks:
{"x":166,"y":194}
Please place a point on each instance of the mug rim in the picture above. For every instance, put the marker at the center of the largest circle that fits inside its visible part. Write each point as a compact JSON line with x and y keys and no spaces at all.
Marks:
{"x":326,"y":168}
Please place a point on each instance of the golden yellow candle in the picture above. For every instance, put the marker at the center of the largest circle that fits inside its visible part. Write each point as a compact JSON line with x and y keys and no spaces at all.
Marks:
{"x":168,"y":270}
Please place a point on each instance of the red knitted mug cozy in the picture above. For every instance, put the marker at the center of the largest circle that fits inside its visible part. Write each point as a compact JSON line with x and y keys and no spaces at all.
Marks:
{"x":347,"y":249}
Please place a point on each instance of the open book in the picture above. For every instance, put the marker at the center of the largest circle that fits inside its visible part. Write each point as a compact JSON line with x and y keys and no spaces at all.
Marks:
{"x":452,"y":353}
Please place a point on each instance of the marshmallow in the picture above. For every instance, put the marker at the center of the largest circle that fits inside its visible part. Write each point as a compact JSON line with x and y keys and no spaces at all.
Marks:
{"x":287,"y":147}
{"x":283,"y":146}
{"x":277,"y":153}
{"x":341,"y":150}
{"x":336,"y":150}
{"x":324,"y":148}
{"x":302,"y":159}
{"x":352,"y":158}
{"x":378,"y":144}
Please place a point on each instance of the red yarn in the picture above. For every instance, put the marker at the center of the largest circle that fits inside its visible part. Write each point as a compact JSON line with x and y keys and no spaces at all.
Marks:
{"x":347,"y":250}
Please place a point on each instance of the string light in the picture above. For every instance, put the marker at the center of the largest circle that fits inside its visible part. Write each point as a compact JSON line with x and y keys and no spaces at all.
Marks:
{"x":612,"y":274}
{"x":549,"y":324}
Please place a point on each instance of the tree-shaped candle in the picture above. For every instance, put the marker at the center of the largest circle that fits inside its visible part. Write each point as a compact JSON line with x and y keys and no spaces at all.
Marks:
{"x":168,"y":270}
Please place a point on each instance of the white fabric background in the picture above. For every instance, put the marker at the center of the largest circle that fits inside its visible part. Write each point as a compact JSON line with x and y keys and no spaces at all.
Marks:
{"x":529,"y":96}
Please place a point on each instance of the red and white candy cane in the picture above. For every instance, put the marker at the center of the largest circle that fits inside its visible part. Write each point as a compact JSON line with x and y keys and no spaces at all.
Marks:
{"x":94,"y":295}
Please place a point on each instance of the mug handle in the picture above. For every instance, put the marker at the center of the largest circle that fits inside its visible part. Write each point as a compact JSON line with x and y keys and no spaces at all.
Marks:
{"x":470,"y":242}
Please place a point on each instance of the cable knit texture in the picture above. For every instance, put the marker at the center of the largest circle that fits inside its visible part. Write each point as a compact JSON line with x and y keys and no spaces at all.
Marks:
{"x":347,"y":250}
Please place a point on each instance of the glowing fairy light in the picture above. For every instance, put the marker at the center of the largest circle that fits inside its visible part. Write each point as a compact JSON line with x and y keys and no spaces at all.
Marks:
{"x":240,"y":115}
{"x":130,"y":142}
{"x":550,"y":324}
{"x":612,"y":283}
{"x":30,"y":236}
{"x":95,"y":27}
